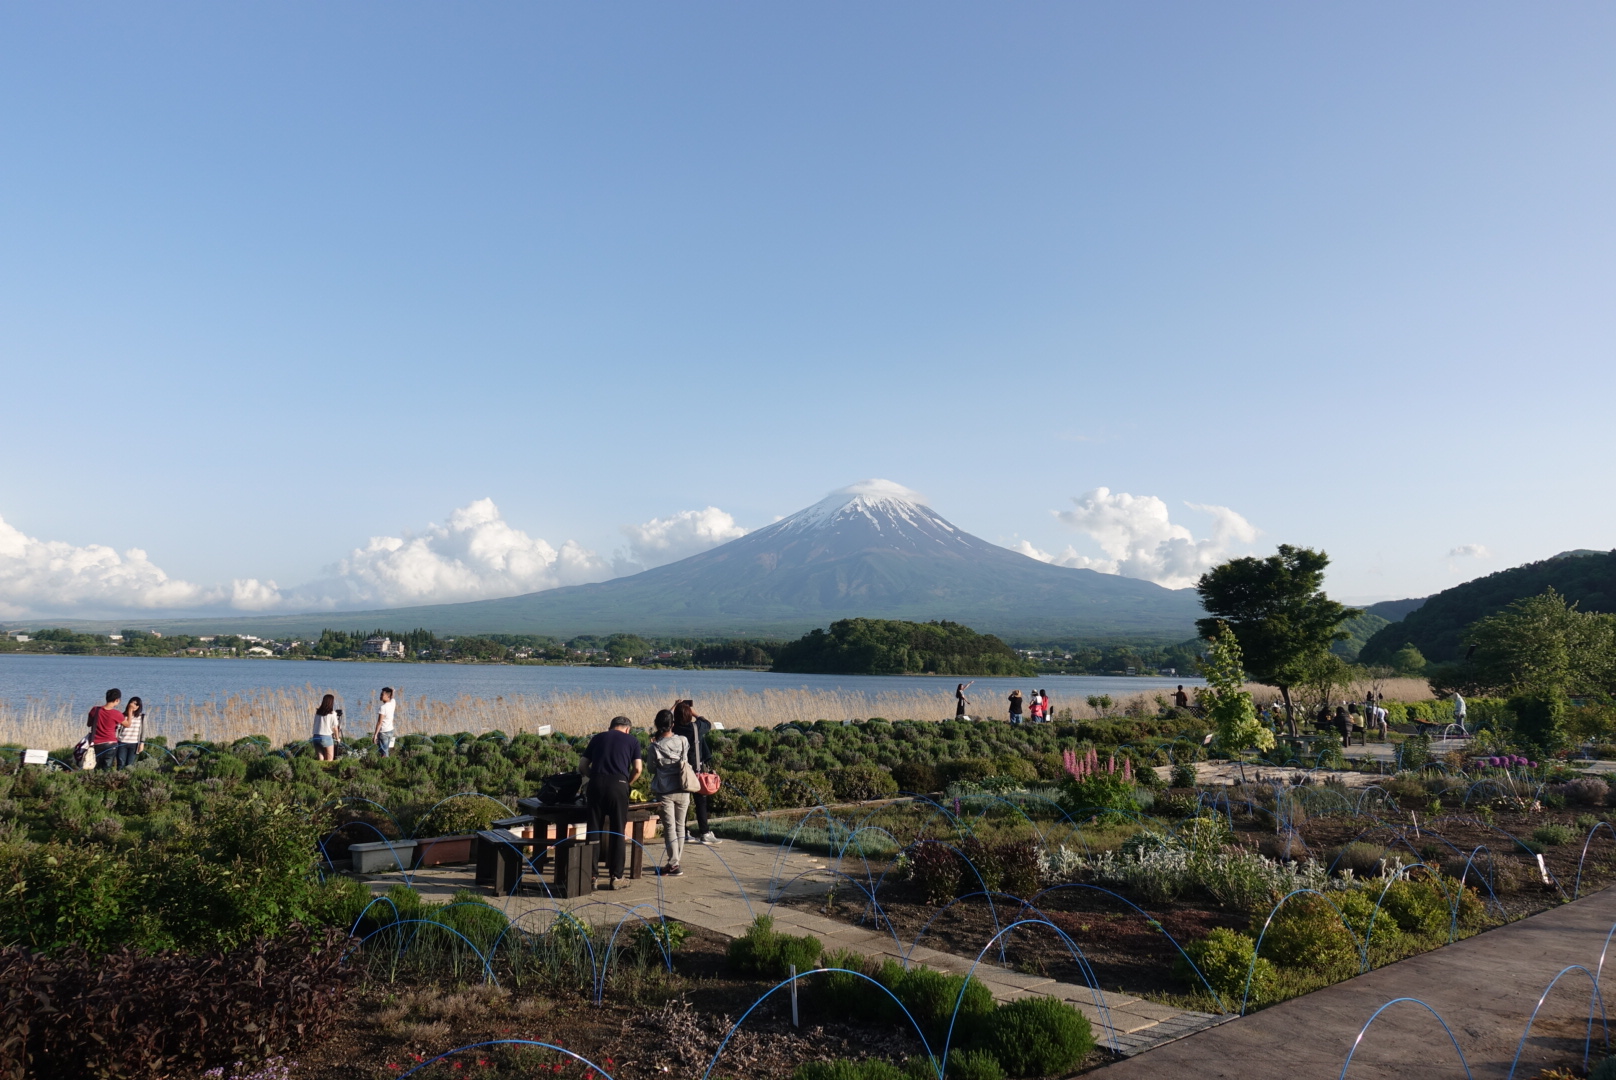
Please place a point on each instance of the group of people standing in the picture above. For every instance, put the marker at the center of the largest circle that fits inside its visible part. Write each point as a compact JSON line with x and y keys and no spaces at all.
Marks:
{"x":117,"y":731}
{"x":328,"y":725}
{"x":1037,"y":708}
{"x":613,"y":762}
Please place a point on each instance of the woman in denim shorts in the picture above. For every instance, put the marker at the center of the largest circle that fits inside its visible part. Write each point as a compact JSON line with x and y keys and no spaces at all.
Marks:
{"x":327,"y":728}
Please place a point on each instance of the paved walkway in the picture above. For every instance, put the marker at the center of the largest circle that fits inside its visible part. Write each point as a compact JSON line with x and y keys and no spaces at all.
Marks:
{"x":1485,"y":988}
{"x":724,"y":888}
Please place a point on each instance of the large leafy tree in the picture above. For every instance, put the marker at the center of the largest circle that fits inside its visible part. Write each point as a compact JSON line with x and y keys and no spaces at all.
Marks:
{"x":1277,"y":611}
{"x":1542,"y":645}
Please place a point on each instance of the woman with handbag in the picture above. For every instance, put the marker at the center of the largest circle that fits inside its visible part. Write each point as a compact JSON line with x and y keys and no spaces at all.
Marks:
{"x":672,"y":781}
{"x":693,"y":729}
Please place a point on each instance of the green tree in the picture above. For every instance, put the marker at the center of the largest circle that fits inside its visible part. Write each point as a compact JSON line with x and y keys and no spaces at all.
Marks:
{"x":1543,"y":645}
{"x":1408,"y":661}
{"x":1278,"y":612}
{"x":626,"y":646}
{"x":1323,"y":678}
{"x":1228,"y":704}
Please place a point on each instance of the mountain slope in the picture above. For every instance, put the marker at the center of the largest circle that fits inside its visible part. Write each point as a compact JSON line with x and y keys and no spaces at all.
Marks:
{"x":872,"y":550}
{"x":1437,"y":627}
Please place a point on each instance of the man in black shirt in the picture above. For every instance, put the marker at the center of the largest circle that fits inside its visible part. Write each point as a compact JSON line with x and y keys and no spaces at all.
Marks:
{"x":612,"y":761}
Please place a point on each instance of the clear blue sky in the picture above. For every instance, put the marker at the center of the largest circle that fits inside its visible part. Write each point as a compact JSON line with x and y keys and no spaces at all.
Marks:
{"x":277,"y":278}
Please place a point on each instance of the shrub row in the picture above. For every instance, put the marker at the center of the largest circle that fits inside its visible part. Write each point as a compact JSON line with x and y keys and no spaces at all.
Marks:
{"x":1027,"y":1037}
{"x":941,"y":871}
{"x":133,"y":1014}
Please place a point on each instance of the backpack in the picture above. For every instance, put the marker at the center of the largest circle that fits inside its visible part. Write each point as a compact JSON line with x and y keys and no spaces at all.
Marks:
{"x":562,"y":789}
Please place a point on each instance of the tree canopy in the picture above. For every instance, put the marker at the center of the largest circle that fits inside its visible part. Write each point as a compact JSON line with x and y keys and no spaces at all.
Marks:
{"x":1540,"y":645}
{"x":893,"y":647}
{"x":1278,"y":612}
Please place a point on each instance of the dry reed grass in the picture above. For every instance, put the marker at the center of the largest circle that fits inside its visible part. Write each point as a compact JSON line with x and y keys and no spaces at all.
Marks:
{"x":285,"y":715}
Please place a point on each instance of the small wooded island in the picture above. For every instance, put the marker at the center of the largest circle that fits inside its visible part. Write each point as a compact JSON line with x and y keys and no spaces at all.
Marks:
{"x":894,"y":647}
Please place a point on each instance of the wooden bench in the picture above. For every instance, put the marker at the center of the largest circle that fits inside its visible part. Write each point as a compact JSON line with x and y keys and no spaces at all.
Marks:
{"x":556,"y":822}
{"x":501,"y":862}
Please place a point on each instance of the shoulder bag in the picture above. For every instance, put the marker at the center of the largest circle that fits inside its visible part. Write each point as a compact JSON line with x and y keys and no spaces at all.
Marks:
{"x":707,"y":781}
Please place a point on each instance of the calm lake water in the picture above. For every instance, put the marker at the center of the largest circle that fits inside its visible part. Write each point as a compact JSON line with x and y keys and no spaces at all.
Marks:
{"x":82,"y":680}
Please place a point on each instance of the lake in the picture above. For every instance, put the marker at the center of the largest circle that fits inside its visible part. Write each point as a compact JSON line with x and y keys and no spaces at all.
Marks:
{"x":80,"y":681}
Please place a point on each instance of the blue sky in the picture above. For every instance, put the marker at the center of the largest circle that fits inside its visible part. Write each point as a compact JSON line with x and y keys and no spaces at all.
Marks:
{"x":278,"y":279}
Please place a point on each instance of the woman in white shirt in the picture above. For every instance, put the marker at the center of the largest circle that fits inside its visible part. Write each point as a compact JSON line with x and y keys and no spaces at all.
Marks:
{"x":384,"y":722}
{"x":327,"y":728}
{"x":131,"y":733}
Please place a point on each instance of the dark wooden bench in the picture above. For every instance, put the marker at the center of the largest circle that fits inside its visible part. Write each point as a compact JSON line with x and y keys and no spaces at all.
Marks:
{"x":501,"y":862}
{"x":556,"y":822}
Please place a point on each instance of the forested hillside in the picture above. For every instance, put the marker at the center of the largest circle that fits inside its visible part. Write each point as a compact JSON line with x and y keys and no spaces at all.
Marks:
{"x":1437,"y":627}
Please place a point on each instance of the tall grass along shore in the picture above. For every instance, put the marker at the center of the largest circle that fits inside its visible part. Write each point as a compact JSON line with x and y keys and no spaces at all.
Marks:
{"x":284,"y":715}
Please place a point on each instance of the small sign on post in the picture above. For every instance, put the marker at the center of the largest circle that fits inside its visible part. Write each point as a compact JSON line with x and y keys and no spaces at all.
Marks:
{"x":544,"y":729}
{"x":35,"y":757}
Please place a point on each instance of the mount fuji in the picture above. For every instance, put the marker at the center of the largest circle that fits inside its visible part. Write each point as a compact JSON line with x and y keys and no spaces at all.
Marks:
{"x":874,"y":549}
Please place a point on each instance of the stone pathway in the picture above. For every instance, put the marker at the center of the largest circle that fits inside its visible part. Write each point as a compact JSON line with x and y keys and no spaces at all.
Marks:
{"x":724,"y":888}
{"x":1484,"y":988}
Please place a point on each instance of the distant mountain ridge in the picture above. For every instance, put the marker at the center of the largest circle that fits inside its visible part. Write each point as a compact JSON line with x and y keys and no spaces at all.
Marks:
{"x":1437,"y":626}
{"x":874,"y":549}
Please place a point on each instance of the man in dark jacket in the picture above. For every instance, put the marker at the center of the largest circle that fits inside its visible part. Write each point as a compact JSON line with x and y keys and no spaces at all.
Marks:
{"x":612,"y":761}
{"x":694,"y":729}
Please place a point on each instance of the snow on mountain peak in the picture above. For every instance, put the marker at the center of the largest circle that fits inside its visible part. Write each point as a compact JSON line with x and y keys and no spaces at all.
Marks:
{"x":881,"y":502}
{"x":877,"y":490}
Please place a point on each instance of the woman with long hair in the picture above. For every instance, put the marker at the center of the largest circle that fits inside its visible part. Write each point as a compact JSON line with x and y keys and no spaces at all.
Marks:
{"x":327,"y":728}
{"x":131,"y":733}
{"x":669,"y":755}
{"x":693,"y":729}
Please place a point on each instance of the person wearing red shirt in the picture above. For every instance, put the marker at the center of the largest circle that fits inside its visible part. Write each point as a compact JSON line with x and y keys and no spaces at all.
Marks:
{"x":105,"y":720}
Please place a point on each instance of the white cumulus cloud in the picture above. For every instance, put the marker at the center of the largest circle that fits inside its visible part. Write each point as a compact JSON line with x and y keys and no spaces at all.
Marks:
{"x":52,"y":576}
{"x":1140,"y":540}
{"x":476,"y":555}
{"x":1470,"y":551}
{"x":678,"y":536}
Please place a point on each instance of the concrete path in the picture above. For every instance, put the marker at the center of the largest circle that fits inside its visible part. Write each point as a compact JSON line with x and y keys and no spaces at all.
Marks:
{"x":1485,"y":988}
{"x":725,"y":887}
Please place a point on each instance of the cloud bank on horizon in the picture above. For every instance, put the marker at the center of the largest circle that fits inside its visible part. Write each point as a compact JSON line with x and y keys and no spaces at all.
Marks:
{"x":475,"y":555}
{"x":1140,"y":540}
